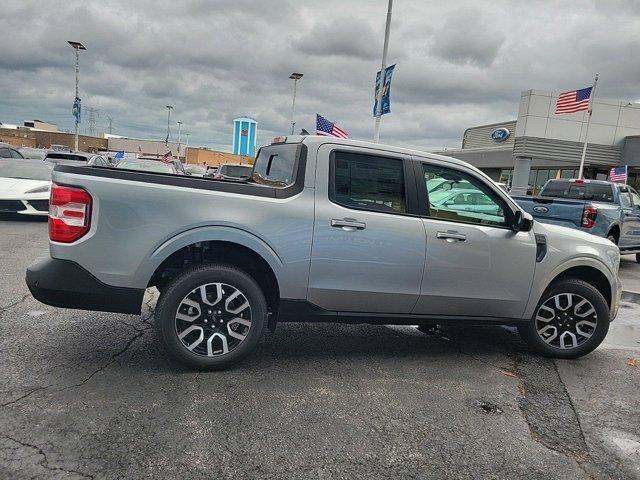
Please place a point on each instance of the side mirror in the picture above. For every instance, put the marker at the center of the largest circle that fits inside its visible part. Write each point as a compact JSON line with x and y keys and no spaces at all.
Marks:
{"x":522,"y":221}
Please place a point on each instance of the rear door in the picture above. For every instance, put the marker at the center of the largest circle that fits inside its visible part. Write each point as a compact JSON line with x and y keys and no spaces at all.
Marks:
{"x":368,"y":241}
{"x":630,"y":231}
{"x":476,"y":265}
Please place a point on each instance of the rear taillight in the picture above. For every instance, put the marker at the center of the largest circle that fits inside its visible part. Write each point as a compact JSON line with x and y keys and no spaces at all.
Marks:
{"x":589,"y":214}
{"x":69,"y":213}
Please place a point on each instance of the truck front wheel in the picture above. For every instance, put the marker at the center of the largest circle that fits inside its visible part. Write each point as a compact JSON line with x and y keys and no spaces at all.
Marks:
{"x":211,"y":316}
{"x":571,"y":320}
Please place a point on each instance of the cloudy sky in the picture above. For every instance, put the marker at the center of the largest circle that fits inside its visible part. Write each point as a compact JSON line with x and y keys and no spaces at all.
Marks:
{"x":459,"y":63}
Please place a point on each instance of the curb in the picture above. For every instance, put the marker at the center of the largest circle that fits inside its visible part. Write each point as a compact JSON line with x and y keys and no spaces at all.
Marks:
{"x":631,"y":297}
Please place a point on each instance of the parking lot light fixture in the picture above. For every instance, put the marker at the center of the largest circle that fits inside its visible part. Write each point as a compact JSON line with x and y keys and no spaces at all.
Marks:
{"x":295,"y":77}
{"x":77,"y":46}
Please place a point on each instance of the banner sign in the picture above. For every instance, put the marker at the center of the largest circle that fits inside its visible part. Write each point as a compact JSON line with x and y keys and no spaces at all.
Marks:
{"x":77,"y":109}
{"x":386,"y":92}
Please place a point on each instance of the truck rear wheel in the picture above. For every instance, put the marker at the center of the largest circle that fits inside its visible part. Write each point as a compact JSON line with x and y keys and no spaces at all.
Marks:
{"x":211,"y":316}
{"x":571,"y":320}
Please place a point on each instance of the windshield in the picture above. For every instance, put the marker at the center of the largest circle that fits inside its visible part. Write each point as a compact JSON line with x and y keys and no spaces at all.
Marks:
{"x":599,"y":192}
{"x":54,"y":157}
{"x":26,"y":169}
{"x":148,"y":166}
{"x":238,"y":171}
{"x":33,"y":153}
{"x":275,"y":165}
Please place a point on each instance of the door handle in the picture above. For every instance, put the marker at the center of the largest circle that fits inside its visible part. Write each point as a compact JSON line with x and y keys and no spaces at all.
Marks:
{"x":348,"y":225}
{"x":451,"y":236}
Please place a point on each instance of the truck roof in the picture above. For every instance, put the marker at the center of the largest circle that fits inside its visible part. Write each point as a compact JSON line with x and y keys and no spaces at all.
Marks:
{"x":320,"y":139}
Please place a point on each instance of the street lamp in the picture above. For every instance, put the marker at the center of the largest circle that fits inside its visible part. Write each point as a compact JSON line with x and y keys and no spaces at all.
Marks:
{"x":295,"y":77}
{"x":166,"y":141}
{"x":383,"y":68}
{"x":77,"y":46}
{"x":179,"y":128}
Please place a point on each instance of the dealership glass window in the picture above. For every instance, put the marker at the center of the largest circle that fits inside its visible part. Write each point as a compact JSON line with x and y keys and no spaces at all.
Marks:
{"x":368,"y":182}
{"x":506,"y":176}
{"x":466,"y":199}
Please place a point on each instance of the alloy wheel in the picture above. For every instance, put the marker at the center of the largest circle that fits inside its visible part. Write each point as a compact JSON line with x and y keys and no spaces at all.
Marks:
{"x":213,"y":319}
{"x":566,"y":320}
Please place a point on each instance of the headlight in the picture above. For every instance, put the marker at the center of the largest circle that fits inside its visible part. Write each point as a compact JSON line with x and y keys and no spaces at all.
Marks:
{"x":46,"y":188}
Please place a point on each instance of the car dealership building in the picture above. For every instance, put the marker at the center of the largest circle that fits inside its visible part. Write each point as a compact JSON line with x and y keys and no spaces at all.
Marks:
{"x":541,"y":144}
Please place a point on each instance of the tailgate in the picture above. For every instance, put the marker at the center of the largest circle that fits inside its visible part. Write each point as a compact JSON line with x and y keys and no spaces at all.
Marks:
{"x":558,"y":211}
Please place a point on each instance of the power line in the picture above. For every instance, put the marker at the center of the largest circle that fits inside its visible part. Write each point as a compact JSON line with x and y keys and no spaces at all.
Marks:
{"x":110,"y":118}
{"x":94,"y":114}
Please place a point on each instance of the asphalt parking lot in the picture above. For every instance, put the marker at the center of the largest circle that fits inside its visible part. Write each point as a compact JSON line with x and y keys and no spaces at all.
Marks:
{"x":90,"y":395}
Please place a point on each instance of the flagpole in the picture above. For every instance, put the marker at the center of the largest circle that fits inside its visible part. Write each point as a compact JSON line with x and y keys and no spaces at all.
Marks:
{"x":376,"y":126}
{"x":586,"y":135}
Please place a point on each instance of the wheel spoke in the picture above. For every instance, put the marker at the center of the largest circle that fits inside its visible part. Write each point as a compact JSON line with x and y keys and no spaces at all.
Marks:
{"x":590,"y":309}
{"x":203,"y":294}
{"x":582,"y":323}
{"x":557,"y":301}
{"x":192,"y":306}
{"x":550,"y":336}
{"x":238,"y":321}
{"x":187,"y":331}
{"x":574,"y":340}
{"x":223,"y":340}
{"x":544,"y":308}
{"x":231,"y":298}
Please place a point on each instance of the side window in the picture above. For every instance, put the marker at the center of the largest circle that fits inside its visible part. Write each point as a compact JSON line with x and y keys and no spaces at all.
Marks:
{"x":368,"y":182}
{"x":636,"y":198}
{"x":625,"y":198}
{"x":15,"y":153}
{"x":5,"y":153}
{"x":456,"y":196}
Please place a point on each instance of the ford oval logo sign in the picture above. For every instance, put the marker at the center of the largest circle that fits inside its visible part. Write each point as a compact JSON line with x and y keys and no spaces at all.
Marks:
{"x":540,"y":209}
{"x":500,"y":134}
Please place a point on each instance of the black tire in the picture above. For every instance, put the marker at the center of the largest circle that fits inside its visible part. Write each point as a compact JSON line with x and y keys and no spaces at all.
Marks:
{"x":638,"y":257}
{"x":572,"y":286}
{"x":612,"y":238}
{"x":185,"y":284}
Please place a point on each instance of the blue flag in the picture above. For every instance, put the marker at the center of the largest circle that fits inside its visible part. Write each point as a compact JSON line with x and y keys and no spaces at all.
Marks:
{"x":386,"y":91}
{"x":77,"y":109}
{"x":119,"y":154}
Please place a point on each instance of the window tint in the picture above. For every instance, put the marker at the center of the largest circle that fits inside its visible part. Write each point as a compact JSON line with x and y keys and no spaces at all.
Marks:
{"x":15,"y":154}
{"x":275,"y":165}
{"x":599,"y":192}
{"x":368,"y":182}
{"x":463,"y":199}
{"x":5,"y":153}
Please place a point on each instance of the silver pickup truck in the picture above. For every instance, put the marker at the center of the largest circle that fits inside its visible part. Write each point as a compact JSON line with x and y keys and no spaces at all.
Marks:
{"x":326,"y":230}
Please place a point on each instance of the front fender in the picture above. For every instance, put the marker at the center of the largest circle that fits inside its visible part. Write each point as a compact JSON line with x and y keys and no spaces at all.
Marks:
{"x":545,"y":279}
{"x":205,"y":234}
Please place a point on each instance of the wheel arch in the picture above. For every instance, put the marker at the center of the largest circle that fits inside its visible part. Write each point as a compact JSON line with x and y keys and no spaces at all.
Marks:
{"x":614,"y":230}
{"x":222,"y":244}
{"x":590,"y":270}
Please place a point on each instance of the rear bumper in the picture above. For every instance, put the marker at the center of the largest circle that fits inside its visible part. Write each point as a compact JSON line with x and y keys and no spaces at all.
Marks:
{"x":63,"y":283}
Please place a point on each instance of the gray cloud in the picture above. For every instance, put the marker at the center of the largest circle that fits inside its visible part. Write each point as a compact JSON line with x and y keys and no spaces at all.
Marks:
{"x":457,"y":65}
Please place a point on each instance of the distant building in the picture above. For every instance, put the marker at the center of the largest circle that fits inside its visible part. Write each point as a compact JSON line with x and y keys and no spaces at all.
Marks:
{"x":40,"y":125}
{"x":244,"y":136}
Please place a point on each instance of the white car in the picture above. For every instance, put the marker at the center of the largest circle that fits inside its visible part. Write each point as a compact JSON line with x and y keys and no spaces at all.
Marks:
{"x":25,"y":186}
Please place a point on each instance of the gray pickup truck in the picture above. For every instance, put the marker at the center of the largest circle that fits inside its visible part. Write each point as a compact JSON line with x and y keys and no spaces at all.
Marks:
{"x":607,"y":209}
{"x":326,"y":230}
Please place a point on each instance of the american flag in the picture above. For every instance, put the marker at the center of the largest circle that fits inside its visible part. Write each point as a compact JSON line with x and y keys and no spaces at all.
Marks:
{"x":167,"y":157}
{"x":329,"y":129}
{"x":618,"y":174}
{"x":573,"y":101}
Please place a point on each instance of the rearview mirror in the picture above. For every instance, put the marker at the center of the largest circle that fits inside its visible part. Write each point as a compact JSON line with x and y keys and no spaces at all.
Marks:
{"x":522,"y":221}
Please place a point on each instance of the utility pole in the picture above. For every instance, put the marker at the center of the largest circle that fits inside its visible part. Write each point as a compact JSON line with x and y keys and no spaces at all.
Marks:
{"x":166,"y":140}
{"x":94,"y":113}
{"x":110,"y":118}
{"x":295,"y":77}
{"x":186,"y":148}
{"x":179,"y":128}
{"x":77,"y":46}
{"x":376,"y":126}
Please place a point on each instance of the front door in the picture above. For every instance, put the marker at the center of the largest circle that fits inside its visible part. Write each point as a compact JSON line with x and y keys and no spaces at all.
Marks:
{"x":368,"y":248}
{"x":630,"y":228}
{"x":476,"y":265}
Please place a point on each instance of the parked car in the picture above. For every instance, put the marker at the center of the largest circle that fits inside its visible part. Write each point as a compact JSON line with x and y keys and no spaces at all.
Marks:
{"x":349,"y":234}
{"x":232,"y":171}
{"x":24,"y":186}
{"x":9,"y":151}
{"x":33,"y":153}
{"x":211,"y":172}
{"x":607,"y":209}
{"x":77,"y":158}
{"x":177,"y":164}
{"x":470,"y":200}
{"x":195,"y":170}
{"x":148,"y":166}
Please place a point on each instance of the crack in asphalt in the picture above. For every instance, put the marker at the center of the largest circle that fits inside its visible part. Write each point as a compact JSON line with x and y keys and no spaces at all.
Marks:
{"x":11,"y":305}
{"x":44,"y":463}
{"x":22,"y":397}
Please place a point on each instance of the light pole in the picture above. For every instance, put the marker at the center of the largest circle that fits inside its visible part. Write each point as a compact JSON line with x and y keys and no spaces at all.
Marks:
{"x":166,"y":140}
{"x":385,"y":48}
{"x":77,"y":46}
{"x":295,"y":77}
{"x":179,"y":128}
{"x":186,"y":148}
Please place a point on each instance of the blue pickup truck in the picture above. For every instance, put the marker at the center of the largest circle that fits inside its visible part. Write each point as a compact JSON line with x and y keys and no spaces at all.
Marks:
{"x":598,"y":207}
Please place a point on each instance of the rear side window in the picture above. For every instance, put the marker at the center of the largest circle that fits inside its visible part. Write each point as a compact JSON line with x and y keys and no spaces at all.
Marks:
{"x":276,"y":165}
{"x":368,"y":182}
{"x":5,"y":153}
{"x":15,"y":154}
{"x":598,"y":192}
